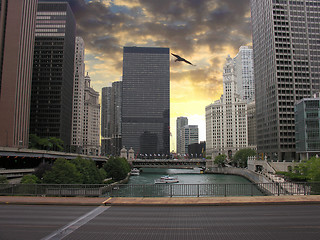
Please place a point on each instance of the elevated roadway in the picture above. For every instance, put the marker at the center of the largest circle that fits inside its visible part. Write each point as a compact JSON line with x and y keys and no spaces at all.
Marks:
{"x":35,"y":153}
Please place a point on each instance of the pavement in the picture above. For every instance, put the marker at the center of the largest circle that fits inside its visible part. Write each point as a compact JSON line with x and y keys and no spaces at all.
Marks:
{"x":159,"y":201}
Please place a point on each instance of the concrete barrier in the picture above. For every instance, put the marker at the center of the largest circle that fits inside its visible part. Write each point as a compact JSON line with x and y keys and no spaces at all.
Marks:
{"x":250,"y":175}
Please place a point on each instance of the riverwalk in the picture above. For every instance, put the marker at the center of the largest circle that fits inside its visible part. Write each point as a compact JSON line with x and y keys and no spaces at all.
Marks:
{"x":159,"y":201}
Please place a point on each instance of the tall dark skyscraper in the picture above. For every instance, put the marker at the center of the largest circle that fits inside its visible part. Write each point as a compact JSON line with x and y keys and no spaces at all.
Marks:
{"x":53,"y":71}
{"x":146,"y":100}
{"x":17,"y":23}
{"x":111,"y":119}
{"x":286,"y":66}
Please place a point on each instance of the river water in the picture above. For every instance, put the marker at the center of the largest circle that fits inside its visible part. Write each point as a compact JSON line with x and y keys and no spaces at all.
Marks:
{"x":185,"y":176}
{"x":191,"y":183}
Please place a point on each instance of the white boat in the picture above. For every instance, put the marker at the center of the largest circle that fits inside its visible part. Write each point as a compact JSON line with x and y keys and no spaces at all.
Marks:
{"x":135,"y":172}
{"x":166,"y":179}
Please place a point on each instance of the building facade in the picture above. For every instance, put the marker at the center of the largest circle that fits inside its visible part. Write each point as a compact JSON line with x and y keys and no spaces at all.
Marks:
{"x":91,"y":120}
{"x":286,"y":68}
{"x":17,"y":29}
{"x":244,"y":72}
{"x":146,"y":100}
{"x":197,"y":150}
{"x":180,"y":123}
{"x":53,"y":72}
{"x":307,"y":127}
{"x":252,"y":125}
{"x":105,"y":121}
{"x":226,"y":119}
{"x":111,"y":119}
{"x":189,"y":135}
{"x":78,"y":97}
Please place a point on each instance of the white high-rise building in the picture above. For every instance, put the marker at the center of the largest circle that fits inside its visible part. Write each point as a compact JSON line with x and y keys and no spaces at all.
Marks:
{"x":91,"y":123}
{"x":226,"y":119}
{"x":180,"y":123}
{"x":244,"y":73}
{"x":189,"y":135}
{"x":78,"y":96}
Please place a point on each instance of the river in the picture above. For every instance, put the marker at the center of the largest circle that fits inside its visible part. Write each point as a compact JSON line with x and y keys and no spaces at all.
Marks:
{"x":185,"y":176}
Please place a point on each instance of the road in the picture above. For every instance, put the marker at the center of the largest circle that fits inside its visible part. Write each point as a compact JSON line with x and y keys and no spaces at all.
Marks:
{"x":266,"y":222}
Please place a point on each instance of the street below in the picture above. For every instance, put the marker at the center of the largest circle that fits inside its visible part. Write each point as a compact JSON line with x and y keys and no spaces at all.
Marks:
{"x":160,"y":222}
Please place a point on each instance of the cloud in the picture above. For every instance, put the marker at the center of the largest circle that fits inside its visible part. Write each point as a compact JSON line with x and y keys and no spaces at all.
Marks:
{"x":202,"y":31}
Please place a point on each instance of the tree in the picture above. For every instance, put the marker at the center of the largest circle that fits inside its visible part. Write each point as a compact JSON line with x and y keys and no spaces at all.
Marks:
{"x":220,"y":160}
{"x":90,"y":174}
{"x":57,"y":144}
{"x":310,"y":169}
{"x":117,"y":168}
{"x":241,"y":157}
{"x":29,"y":179}
{"x":3,"y":179}
{"x":41,"y":169}
{"x":52,"y":143}
{"x":62,"y":172}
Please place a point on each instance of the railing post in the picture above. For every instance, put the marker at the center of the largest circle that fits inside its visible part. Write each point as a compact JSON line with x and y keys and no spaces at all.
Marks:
{"x":304,"y":189}
{"x":251,"y":189}
{"x":198,"y":190}
{"x":170,"y":190}
{"x":225,"y":190}
{"x":278,"y":189}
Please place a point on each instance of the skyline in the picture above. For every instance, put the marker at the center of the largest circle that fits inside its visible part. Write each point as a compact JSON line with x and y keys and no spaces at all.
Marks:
{"x":204,"y":32}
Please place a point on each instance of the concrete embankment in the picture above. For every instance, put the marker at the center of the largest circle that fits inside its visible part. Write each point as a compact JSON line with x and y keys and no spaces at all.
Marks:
{"x":251,"y":176}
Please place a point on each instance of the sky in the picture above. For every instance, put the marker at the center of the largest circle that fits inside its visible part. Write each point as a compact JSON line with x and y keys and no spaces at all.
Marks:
{"x":204,"y":32}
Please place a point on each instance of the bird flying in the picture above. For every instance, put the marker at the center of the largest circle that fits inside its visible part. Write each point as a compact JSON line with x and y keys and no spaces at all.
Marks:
{"x":179,"y":59}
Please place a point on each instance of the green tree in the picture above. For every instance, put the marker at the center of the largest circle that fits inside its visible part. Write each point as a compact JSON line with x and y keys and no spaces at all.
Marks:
{"x":117,"y":168}
{"x":241,"y":157}
{"x":220,"y":160}
{"x":3,"y":179}
{"x":310,"y":169}
{"x":57,"y":144}
{"x":34,"y":141}
{"x":90,"y":174}
{"x":29,"y":179}
{"x":62,"y":172}
{"x":52,"y":143}
{"x":41,"y":169}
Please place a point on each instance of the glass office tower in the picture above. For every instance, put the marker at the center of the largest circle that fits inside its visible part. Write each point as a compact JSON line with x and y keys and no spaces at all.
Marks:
{"x":53,"y":72}
{"x":146,"y":100}
{"x":286,"y":40}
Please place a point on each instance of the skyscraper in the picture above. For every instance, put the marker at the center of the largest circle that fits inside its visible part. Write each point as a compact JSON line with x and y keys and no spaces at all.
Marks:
{"x":286,"y":68}
{"x":111,"y":119}
{"x":53,"y":72}
{"x":244,"y":73}
{"x":78,"y":97}
{"x":180,"y":123}
{"x":146,"y":100}
{"x":189,"y":135}
{"x":17,"y":23}
{"x":307,"y":117}
{"x":226,"y":119}
{"x":91,"y":120}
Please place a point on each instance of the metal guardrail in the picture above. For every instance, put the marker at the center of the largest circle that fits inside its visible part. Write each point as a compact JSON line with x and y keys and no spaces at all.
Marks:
{"x":160,"y":190}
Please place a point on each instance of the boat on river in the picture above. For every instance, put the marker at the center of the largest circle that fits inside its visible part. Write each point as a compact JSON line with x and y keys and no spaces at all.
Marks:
{"x":135,"y":172}
{"x":166,"y":179}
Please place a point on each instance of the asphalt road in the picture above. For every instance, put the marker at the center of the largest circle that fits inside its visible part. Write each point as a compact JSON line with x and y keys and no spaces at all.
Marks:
{"x":160,"y":222}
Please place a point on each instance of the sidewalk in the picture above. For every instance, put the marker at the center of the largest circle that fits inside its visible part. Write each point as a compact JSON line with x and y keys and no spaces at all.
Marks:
{"x":176,"y":201}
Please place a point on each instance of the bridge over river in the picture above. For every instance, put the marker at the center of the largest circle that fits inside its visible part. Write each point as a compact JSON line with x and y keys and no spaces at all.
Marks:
{"x":169,"y":163}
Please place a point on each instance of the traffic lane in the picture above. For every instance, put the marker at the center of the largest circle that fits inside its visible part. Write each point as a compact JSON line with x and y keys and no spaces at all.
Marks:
{"x":228,"y":222}
{"x":36,"y":221}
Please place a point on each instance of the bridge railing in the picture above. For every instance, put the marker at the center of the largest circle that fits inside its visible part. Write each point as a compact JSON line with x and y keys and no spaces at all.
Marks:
{"x":160,"y":190}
